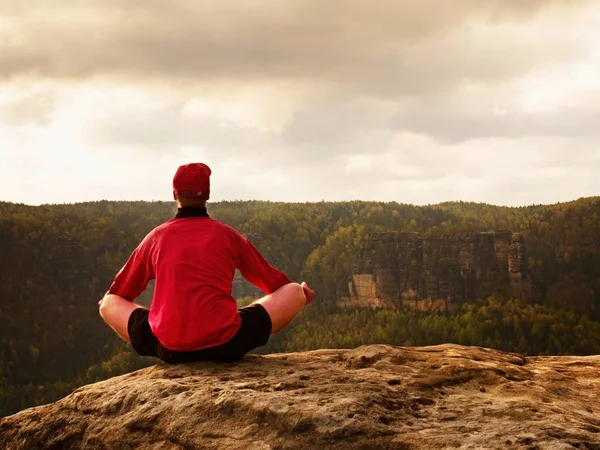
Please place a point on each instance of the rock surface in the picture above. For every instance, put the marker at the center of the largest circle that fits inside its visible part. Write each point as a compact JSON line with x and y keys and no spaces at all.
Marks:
{"x":438,"y":272}
{"x":372,"y":397}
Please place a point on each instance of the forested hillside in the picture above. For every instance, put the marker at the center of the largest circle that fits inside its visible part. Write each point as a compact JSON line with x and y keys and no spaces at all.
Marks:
{"x":56,"y":261}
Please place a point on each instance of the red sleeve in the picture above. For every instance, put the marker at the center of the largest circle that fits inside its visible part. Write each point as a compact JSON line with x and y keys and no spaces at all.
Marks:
{"x":256,"y":269}
{"x":133,"y":278}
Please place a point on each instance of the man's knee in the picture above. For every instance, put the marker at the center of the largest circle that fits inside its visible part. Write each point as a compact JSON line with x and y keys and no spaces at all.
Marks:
{"x":106,"y":305}
{"x":103,"y":306}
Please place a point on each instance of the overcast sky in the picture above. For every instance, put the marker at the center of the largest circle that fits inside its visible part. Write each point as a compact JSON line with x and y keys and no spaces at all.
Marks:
{"x":493,"y":101}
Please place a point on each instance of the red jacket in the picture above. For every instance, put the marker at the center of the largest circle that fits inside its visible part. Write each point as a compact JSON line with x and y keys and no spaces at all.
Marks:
{"x":193,"y":259}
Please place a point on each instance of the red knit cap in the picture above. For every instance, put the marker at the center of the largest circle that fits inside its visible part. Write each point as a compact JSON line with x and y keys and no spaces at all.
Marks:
{"x":194,"y":177}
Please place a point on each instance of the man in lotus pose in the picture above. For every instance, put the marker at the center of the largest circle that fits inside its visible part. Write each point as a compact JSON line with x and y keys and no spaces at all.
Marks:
{"x":193,"y":258}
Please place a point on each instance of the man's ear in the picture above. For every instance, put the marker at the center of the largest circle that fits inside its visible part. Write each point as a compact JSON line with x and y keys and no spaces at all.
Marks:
{"x":174,"y":196}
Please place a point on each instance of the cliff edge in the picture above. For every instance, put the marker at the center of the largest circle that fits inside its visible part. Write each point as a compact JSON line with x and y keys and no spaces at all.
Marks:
{"x":372,"y":397}
{"x":438,"y":272}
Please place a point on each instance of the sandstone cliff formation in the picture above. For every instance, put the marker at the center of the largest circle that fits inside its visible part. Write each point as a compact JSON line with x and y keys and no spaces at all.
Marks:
{"x":438,"y":272}
{"x":372,"y":397}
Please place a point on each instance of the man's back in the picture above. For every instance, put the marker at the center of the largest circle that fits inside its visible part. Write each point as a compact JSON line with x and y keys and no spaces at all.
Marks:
{"x":194,"y":263}
{"x":193,"y":259}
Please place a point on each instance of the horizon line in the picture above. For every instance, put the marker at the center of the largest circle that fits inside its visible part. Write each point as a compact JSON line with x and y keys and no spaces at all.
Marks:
{"x":216,"y":202}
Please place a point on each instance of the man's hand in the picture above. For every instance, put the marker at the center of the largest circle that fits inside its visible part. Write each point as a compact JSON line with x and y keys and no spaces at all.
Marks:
{"x":308,"y":292}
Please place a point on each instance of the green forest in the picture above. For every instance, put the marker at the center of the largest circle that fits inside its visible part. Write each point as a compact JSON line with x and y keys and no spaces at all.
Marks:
{"x":56,"y":262}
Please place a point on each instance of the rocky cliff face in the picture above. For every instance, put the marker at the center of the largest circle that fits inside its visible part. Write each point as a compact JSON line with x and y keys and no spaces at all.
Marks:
{"x":372,"y":397}
{"x":438,"y":272}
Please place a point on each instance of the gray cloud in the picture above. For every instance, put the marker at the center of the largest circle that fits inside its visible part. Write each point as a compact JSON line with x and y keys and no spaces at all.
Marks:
{"x":389,"y":45}
{"x":454,"y":125}
{"x":410,"y":54}
{"x":389,"y":100}
{"x":326,"y":130}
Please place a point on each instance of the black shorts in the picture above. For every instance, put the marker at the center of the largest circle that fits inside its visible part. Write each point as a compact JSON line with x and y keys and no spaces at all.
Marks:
{"x":254,"y":332}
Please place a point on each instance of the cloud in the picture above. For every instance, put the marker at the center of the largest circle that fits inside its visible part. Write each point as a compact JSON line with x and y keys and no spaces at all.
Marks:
{"x":386,"y":43}
{"x":301,"y":100}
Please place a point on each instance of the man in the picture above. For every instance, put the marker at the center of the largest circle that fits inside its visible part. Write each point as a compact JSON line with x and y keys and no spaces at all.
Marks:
{"x":193,"y":258}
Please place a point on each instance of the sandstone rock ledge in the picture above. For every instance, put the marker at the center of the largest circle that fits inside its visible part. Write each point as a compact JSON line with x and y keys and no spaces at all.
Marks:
{"x":372,"y":397}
